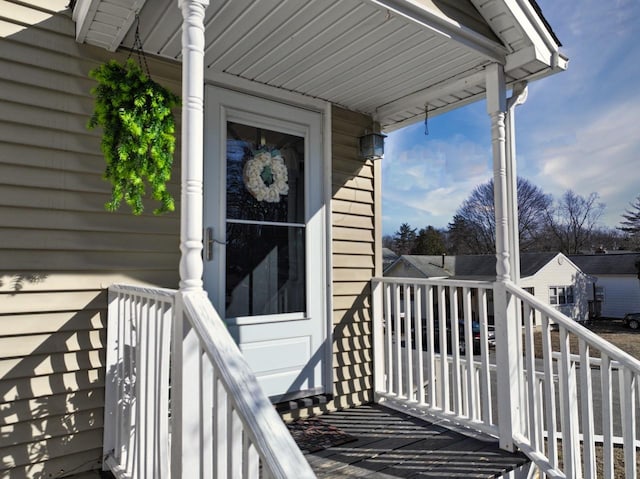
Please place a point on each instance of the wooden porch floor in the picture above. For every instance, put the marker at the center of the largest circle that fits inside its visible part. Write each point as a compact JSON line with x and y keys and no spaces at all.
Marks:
{"x":391,"y":445}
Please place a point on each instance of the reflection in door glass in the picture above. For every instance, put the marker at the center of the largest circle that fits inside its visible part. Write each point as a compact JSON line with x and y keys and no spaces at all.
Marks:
{"x":243,"y":144}
{"x":265,"y":270}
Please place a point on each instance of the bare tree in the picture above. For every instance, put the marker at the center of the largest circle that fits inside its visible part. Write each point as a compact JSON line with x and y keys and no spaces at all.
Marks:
{"x":473,"y":227}
{"x":573,"y":220}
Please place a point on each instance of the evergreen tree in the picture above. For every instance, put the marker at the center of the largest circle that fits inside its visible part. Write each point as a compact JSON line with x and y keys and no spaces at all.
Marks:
{"x":631,"y":222}
{"x":429,"y":241}
{"x":404,"y":239}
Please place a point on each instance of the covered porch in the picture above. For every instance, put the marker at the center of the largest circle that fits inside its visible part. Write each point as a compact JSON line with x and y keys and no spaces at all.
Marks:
{"x":390,"y":63}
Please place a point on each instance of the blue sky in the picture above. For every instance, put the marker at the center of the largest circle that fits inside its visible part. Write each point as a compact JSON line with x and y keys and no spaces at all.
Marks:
{"x":578,"y":130}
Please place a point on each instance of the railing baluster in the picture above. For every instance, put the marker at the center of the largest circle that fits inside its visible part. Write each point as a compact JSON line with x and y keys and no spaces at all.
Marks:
{"x":628,"y":413}
{"x":164,"y":359}
{"x":586,"y":399}
{"x":250,"y":462}
{"x":530,"y":367}
{"x":234,"y":441}
{"x":207,"y":428}
{"x":549,"y":393}
{"x":470,"y":409}
{"x":455,"y":350}
{"x":607,"y":417}
{"x":419,"y":328}
{"x":397,"y":323}
{"x":444,"y":364}
{"x":220,"y":415}
{"x":378,"y":333}
{"x":142,"y":376}
{"x":485,"y":382}
{"x":129,"y":377}
{"x":431,"y":365}
{"x":569,"y":402}
{"x":408,"y":352}
{"x":388,"y":326}
{"x":111,"y":393}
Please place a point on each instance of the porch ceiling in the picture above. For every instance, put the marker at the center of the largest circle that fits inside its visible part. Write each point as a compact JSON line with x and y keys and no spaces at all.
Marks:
{"x":386,"y":58}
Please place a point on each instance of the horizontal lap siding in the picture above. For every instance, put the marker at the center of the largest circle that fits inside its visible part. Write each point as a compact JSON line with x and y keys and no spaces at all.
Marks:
{"x":353,"y":261}
{"x":59,"y":248}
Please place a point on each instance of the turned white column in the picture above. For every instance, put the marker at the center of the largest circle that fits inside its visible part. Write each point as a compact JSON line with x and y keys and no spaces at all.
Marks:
{"x":191,"y":267}
{"x":518,"y":97}
{"x":186,"y":415}
{"x":506,"y":318}
{"x":497,"y":107}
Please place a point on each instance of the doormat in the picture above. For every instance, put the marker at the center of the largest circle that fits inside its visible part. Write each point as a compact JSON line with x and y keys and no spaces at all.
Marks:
{"x":313,"y":435}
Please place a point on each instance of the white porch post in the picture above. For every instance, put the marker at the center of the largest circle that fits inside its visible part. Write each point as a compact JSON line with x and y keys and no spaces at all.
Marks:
{"x":186,"y":363}
{"x":518,"y":97}
{"x":507,"y":329}
{"x":191,"y":267}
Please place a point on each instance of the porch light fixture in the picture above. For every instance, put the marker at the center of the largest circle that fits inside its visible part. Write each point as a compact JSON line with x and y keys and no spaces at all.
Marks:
{"x":372,"y":146}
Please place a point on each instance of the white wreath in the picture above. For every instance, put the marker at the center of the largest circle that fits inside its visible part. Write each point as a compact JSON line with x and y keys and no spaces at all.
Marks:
{"x":274,"y":165}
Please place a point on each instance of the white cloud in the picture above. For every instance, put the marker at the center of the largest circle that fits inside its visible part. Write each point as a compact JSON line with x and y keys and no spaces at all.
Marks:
{"x":428,"y":179}
{"x":603,"y":157}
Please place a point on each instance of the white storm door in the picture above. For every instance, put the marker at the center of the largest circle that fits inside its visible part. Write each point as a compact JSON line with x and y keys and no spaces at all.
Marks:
{"x":265,"y":242}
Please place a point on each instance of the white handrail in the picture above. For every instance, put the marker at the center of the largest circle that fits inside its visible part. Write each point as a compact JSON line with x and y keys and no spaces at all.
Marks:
{"x":557,"y":425}
{"x":219,"y":423}
{"x":573,"y":401}
{"x":262,"y":428}
{"x":136,"y":425}
{"x":624,"y":358}
{"x":424,"y":347}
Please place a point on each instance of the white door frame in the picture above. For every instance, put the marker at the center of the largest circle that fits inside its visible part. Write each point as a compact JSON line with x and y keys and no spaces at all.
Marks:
{"x":321,"y":219}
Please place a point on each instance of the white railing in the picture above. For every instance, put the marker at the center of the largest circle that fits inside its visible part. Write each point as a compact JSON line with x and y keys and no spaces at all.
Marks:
{"x":575,"y":415}
{"x":432,"y":344}
{"x":215,"y":419}
{"x":136,"y":425}
{"x":569,"y":419}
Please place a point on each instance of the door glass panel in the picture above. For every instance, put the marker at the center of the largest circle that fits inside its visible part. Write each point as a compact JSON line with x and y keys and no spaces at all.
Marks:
{"x":265,"y":253}
{"x":243,"y":144}
{"x":265,"y":270}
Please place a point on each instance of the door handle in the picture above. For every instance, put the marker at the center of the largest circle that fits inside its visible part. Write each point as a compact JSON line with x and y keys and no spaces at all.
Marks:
{"x":208,"y":244}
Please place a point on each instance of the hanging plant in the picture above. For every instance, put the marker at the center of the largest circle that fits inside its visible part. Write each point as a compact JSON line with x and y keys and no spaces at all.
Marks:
{"x":138,"y":138}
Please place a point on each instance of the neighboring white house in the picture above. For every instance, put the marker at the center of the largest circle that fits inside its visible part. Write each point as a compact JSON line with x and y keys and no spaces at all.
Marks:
{"x":551,"y":277}
{"x":617,"y":287}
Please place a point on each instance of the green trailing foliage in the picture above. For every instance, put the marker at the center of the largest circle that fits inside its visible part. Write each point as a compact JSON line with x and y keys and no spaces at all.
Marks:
{"x":138,"y":137}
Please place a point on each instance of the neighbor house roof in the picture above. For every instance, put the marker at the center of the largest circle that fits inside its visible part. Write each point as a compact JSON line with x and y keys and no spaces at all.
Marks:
{"x":473,"y":266}
{"x":608,"y":264}
{"x":388,"y":258}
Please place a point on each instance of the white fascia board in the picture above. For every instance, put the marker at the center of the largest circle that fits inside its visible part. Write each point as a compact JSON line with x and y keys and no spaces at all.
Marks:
{"x":123,"y":29}
{"x":534,"y":28}
{"x":531,"y":54}
{"x":83,"y":14}
{"x":445,"y":27}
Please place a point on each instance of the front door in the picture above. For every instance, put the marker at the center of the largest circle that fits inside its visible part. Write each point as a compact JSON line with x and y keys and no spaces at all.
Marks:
{"x":265,"y":237}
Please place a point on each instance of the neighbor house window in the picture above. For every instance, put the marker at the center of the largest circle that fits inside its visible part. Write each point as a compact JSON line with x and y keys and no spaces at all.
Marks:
{"x":561,"y":295}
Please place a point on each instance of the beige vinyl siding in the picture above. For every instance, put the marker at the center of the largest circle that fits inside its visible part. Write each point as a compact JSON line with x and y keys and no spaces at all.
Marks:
{"x":353,"y":260}
{"x":59,"y":248}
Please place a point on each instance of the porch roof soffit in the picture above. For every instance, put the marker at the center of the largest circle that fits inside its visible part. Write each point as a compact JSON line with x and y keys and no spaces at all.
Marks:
{"x":386,"y":58}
